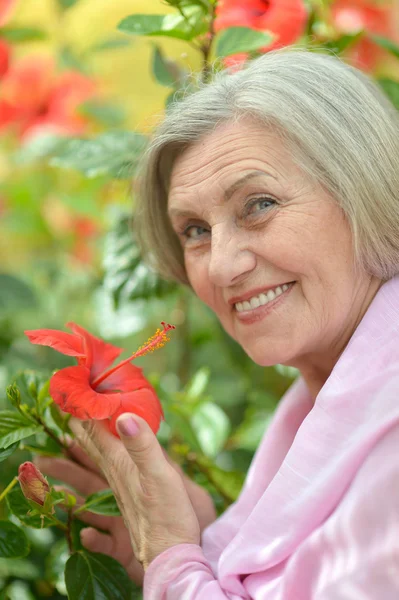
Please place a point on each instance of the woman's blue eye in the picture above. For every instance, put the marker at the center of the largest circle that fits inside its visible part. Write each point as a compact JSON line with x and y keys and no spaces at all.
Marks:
{"x":263,"y":202}
{"x":193,"y":228}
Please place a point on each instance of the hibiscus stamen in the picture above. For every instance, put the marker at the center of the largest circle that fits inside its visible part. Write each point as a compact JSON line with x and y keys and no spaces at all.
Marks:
{"x":158,"y":340}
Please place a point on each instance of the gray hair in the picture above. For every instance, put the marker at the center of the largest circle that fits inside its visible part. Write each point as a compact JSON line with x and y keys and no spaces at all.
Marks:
{"x":341,"y":129}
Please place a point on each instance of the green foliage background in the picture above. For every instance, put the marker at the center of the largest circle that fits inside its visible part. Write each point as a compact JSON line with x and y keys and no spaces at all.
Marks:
{"x":217,"y":402}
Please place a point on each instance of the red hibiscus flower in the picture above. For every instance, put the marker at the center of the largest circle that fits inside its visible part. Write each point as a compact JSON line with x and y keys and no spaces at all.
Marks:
{"x":34,"y":98}
{"x":351,"y":16}
{"x":286,"y":19}
{"x":95,"y":390}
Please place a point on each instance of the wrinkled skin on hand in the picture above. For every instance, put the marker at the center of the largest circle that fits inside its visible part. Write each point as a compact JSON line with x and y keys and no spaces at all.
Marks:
{"x":81,"y":473}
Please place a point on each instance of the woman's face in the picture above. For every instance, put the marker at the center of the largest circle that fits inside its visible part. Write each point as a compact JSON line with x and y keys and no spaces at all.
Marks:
{"x":267,"y":250}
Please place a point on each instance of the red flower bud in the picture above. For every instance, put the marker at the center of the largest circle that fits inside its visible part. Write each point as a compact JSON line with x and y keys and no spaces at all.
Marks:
{"x":34,"y":486}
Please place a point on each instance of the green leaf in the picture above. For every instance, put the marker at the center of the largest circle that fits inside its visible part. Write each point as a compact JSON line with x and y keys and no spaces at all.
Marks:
{"x":391,"y":89}
{"x":241,"y":39}
{"x":171,"y":25}
{"x":212,"y":428}
{"x":93,"y":576}
{"x":19,"y":590}
{"x":204,"y":4}
{"x":36,"y":148}
{"x":251,"y":431}
{"x":126,"y":277}
{"x":342,"y":43}
{"x":65,"y":4}
{"x":23,"y":34}
{"x":101,"y":503}
{"x":165,"y":71}
{"x":15,"y":294}
{"x":14,"y":395}
{"x":386,"y":44}
{"x":197,"y":385}
{"x":114,"y":153}
{"x":14,"y":427}
{"x":60,"y":420}
{"x":55,"y":565}
{"x":69,"y":59}
{"x":111,"y":44}
{"x":8,"y":451}
{"x":109,"y":115}
{"x":228,"y":482}
{"x":20,"y":507}
{"x":13,"y":541}
{"x":18,"y":567}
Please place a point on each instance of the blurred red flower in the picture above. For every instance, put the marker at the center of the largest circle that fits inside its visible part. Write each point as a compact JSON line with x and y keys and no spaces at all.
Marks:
{"x":4,"y":58}
{"x":93,"y":390}
{"x":35,"y":99}
{"x":33,"y":485}
{"x":83,"y":228}
{"x":351,"y":16}
{"x":6,"y":8}
{"x":285,"y":18}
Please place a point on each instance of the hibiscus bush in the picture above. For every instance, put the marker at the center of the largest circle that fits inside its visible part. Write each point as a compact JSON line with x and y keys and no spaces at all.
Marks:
{"x":76,"y":298}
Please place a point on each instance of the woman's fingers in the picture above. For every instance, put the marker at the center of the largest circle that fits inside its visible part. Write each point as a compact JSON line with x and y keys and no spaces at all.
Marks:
{"x":72,"y":474}
{"x":82,"y":457}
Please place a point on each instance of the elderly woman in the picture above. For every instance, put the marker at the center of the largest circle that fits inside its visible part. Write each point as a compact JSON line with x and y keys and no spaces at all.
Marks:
{"x":274,"y":193}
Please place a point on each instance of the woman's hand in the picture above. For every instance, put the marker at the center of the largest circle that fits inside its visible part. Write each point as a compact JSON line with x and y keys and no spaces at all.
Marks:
{"x":86,"y":477}
{"x":151,"y":495}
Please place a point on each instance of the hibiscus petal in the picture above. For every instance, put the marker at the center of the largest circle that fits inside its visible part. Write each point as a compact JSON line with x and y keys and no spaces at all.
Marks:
{"x":70,"y":389}
{"x":126,"y":379}
{"x":99,"y":354}
{"x":66,"y":343}
{"x":144,"y":403}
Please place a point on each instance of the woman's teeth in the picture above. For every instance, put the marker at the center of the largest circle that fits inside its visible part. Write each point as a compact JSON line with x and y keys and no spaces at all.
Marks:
{"x":261,"y":299}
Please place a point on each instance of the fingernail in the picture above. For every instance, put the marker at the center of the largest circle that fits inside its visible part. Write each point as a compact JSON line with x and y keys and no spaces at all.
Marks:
{"x":127,"y":426}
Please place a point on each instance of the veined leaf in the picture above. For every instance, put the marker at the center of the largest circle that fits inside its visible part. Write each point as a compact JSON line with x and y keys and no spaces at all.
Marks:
{"x":95,"y":576}
{"x":241,"y":39}
{"x":14,"y":427}
{"x":114,"y":153}
{"x":13,"y":541}
{"x":20,"y":507}
{"x":8,"y":451}
{"x":126,"y":277}
{"x":171,"y":25}
{"x":101,"y":503}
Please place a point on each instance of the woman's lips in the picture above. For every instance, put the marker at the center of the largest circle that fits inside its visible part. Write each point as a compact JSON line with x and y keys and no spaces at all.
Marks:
{"x":256,"y":314}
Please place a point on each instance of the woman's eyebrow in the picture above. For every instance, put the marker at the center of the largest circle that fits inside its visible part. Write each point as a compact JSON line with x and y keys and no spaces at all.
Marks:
{"x":228,"y":193}
{"x":242,"y":181}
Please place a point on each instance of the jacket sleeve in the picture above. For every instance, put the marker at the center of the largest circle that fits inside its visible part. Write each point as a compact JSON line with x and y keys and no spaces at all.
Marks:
{"x":353,"y":555}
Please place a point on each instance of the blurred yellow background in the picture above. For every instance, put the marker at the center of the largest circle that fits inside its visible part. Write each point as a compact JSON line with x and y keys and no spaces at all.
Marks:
{"x":125,"y":72}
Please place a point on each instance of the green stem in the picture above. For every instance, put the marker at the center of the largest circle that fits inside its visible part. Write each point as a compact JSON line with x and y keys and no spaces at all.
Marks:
{"x":207,"y":47}
{"x":57,"y":522}
{"x":69,"y":532}
{"x":8,"y":488}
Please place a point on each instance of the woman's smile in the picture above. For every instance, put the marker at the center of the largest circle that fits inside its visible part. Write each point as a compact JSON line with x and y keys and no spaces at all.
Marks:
{"x":261,"y":305}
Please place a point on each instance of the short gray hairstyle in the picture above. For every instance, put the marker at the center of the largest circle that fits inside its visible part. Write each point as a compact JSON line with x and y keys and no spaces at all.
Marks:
{"x":341,"y":129}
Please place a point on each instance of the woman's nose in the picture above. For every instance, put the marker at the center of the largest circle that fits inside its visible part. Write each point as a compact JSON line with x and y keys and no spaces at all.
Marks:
{"x":229,"y":259}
